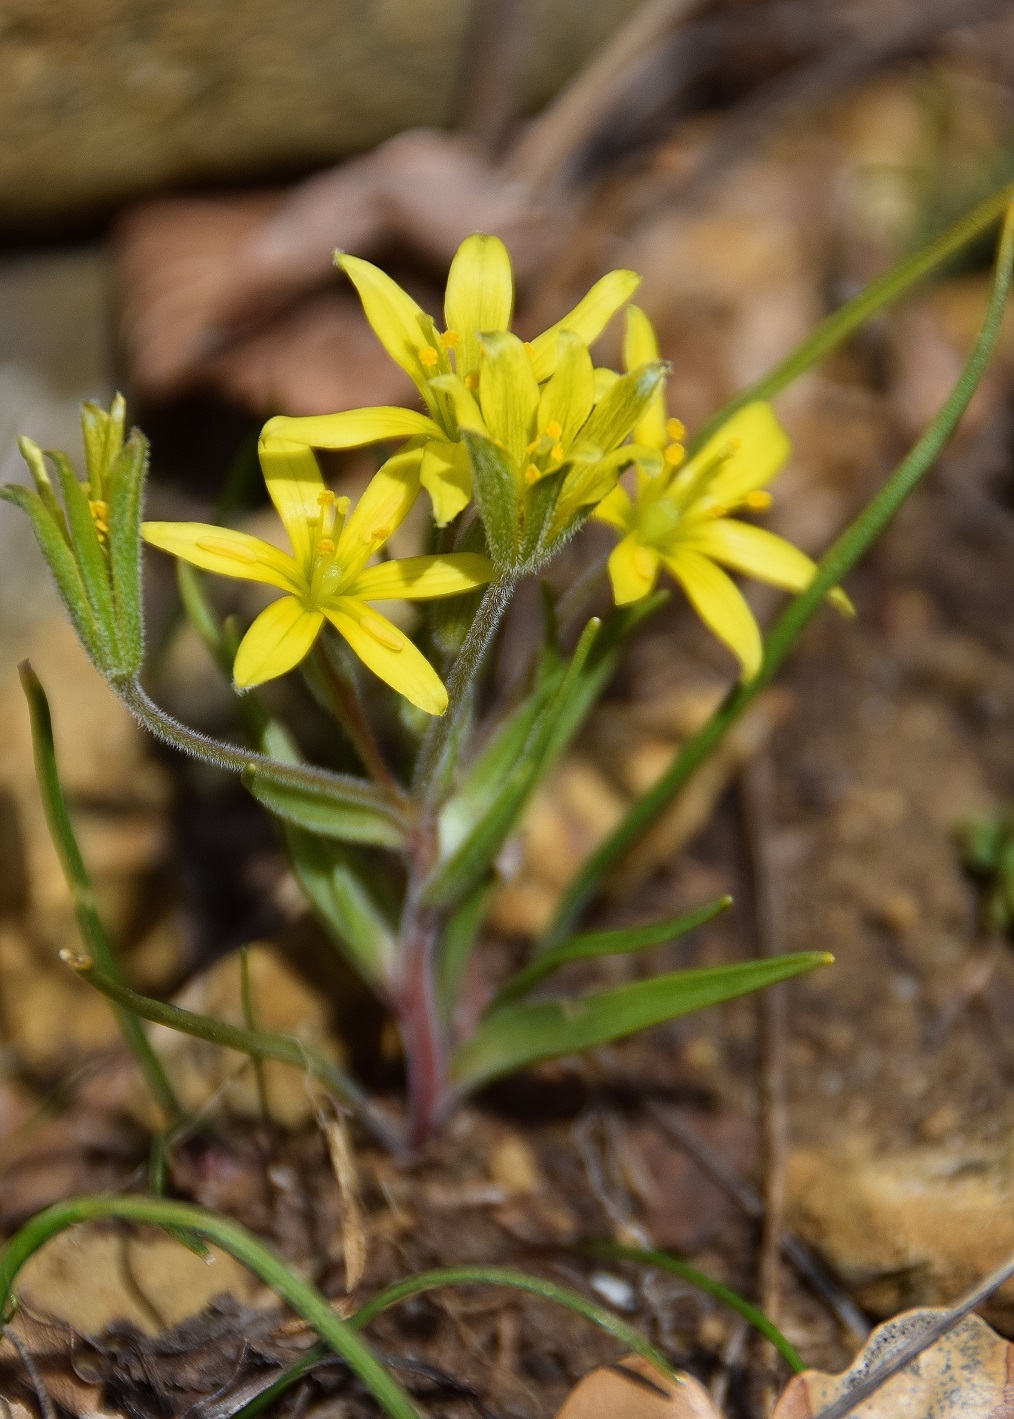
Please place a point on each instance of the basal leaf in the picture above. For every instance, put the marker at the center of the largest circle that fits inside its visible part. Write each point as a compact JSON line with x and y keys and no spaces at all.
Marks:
{"x":357,"y":812}
{"x":327,"y":875}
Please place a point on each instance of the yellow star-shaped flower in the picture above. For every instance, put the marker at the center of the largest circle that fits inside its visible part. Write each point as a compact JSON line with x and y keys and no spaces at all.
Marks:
{"x":679,"y":516}
{"x":326,"y":577}
{"x":479,"y":300}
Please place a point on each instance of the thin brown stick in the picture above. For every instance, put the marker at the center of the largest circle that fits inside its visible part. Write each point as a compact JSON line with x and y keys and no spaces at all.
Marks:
{"x":46,"y":1405}
{"x":913,"y":1348}
{"x":756,"y":794}
{"x":824,"y":1286}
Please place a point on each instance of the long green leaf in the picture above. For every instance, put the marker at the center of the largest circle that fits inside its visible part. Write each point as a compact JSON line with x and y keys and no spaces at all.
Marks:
{"x":519,"y":1035}
{"x":856,"y":540}
{"x":604,"y":943}
{"x":459,"y":936}
{"x":339,"y":897}
{"x":126,"y":478}
{"x":174,"y":1217}
{"x":838,"y":326}
{"x":497,"y":496}
{"x":258,"y":1044}
{"x":91,"y":559}
{"x":85,"y":911}
{"x":355,"y":813}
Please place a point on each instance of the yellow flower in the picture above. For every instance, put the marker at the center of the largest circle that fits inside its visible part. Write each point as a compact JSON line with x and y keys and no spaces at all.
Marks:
{"x":326,"y":577}
{"x":479,"y":299}
{"x":678,"y":518}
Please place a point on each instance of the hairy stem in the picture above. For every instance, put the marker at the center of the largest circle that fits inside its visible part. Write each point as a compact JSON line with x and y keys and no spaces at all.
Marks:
{"x":438,"y":745}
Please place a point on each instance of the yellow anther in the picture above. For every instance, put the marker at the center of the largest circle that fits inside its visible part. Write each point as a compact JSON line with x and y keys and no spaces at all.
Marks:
{"x":556,"y":452}
{"x":675,"y":453}
{"x":554,"y":429}
{"x":99,"y":510}
{"x":472,"y":380}
{"x":380,"y":533}
{"x":324,"y":547}
{"x":382,"y":631}
{"x":428,"y":357}
{"x":533,"y":446}
{"x":450,"y":339}
{"x":675,"y":429}
{"x":759,"y":500}
{"x":716,"y":511}
{"x":325,"y":498}
{"x":532,"y":474}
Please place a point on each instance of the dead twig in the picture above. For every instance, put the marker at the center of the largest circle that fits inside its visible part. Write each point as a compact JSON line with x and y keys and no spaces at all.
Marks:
{"x":46,"y":1405}
{"x":756,"y":793}
{"x":824,"y":1286}
{"x":913,"y":1348}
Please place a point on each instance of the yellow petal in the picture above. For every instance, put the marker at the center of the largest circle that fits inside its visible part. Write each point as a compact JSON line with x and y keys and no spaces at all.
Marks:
{"x":633,"y":569}
{"x":588,"y":319}
{"x":352,"y":428}
{"x":278,"y":640}
{"x":568,"y":397}
{"x":462,"y":403}
{"x":221,"y":550}
{"x":479,"y":296}
{"x":755,"y":551}
{"x":389,"y":653}
{"x":385,"y":504}
{"x":720,"y":605}
{"x":753,"y":447}
{"x":615,"y":509}
{"x":640,"y":346}
{"x":508,"y":393}
{"x":446,"y":474}
{"x":401,"y":326}
{"x":295,"y":485}
{"x":604,"y":381}
{"x":423,"y":578}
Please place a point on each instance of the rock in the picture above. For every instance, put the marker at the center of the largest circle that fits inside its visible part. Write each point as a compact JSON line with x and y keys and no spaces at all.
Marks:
{"x":634,"y":1389}
{"x":917,"y":1227}
{"x":103,"y":101}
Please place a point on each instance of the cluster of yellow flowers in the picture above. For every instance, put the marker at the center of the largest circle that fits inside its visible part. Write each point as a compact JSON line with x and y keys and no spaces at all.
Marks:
{"x":561,"y":433}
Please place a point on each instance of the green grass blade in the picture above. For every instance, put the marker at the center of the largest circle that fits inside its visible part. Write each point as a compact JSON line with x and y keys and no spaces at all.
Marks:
{"x":520,"y":1035}
{"x":853,"y":543}
{"x":605,"y":943}
{"x":126,"y":478}
{"x":665,"y":1261}
{"x":880,"y":293}
{"x":89,"y":922}
{"x":258,"y":1044}
{"x":298,"y":1294}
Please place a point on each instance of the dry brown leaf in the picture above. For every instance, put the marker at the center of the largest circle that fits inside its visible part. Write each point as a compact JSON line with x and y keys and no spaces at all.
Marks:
{"x":968,"y":1374}
{"x":633,"y":1389}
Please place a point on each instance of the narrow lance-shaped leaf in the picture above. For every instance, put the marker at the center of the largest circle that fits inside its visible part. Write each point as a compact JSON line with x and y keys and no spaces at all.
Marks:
{"x":605,"y":943}
{"x":460,"y":935}
{"x":496,"y":494}
{"x":91,"y":559}
{"x":356,"y":812}
{"x":338,"y":895}
{"x":126,"y":480}
{"x":520,"y":1035}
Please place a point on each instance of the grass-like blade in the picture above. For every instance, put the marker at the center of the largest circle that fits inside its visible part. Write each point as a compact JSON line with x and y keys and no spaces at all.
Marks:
{"x":853,"y":543}
{"x":339,"y":897}
{"x":520,"y":1035}
{"x":83,"y":897}
{"x":665,"y":1261}
{"x":354,"y":812}
{"x":341,"y":1336}
{"x":604,"y":943}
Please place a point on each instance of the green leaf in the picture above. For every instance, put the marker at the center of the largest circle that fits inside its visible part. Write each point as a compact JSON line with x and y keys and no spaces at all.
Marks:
{"x":353,"y":812}
{"x":605,"y":943}
{"x":126,"y":485}
{"x":459,"y":937}
{"x":520,"y":1035}
{"x":91,"y":560}
{"x":339,"y":897}
{"x":497,"y":496}
{"x":622,"y":405}
{"x":62,"y":564}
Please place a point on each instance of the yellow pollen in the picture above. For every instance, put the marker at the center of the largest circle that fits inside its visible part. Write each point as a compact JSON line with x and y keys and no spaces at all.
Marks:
{"x":533,"y":445}
{"x":380,"y":533}
{"x":675,"y":429}
{"x":100,"y":512}
{"x":556,"y":452}
{"x":472,"y":380}
{"x":759,"y":500}
{"x":450,"y":339}
{"x":428,"y":357}
{"x":554,"y":429}
{"x":324,"y":547}
{"x":382,"y":631}
{"x":675,"y":453}
{"x":532,"y":474}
